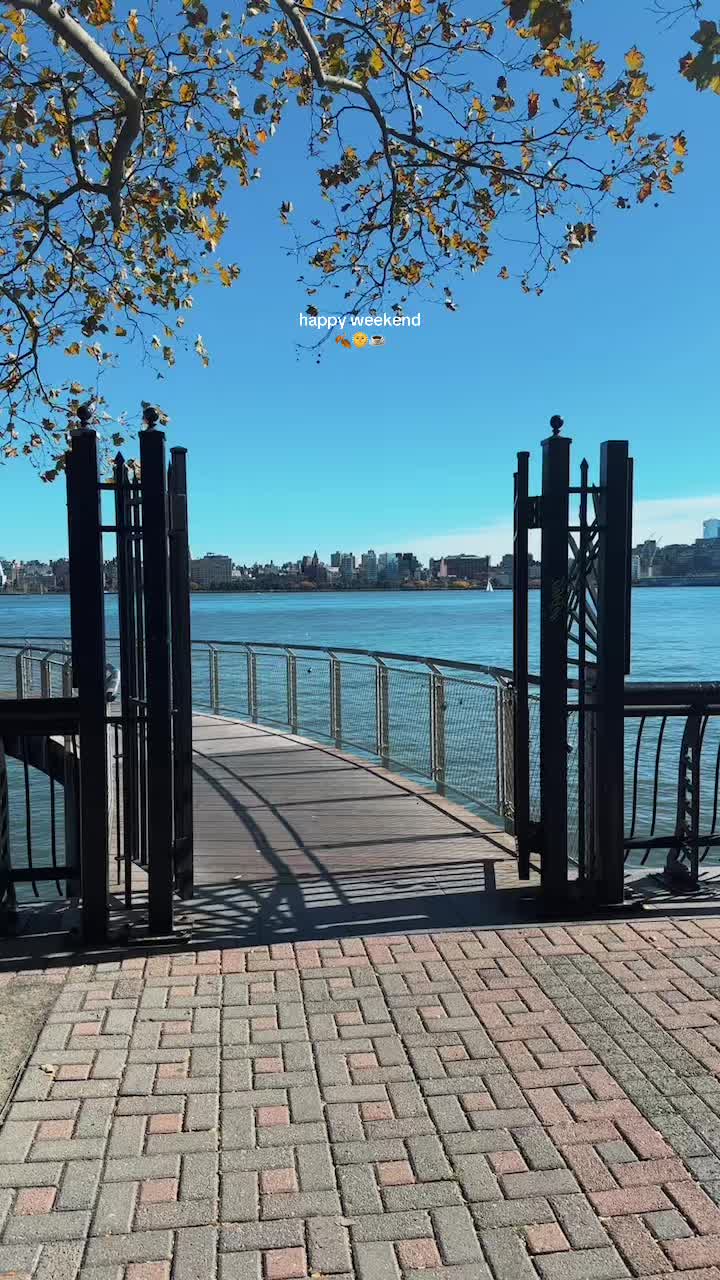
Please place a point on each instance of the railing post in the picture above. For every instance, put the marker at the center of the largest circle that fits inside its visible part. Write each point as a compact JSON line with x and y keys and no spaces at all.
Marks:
{"x":553,"y":666}
{"x":499,"y":749}
{"x":335,"y":700}
{"x":67,"y":678}
{"x":214,"y":660}
{"x":7,"y":887}
{"x":382,"y":712}
{"x":159,"y":701}
{"x":45,"y":678}
{"x":252,"y":685}
{"x":87,"y":614}
{"x":437,"y":730}
{"x":507,"y":720}
{"x":23,"y":675}
{"x":614,"y":506}
{"x":181,"y":673}
{"x":292,"y":692}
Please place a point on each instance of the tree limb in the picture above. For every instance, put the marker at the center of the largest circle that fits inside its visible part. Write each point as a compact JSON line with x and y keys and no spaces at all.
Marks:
{"x":99,"y":61}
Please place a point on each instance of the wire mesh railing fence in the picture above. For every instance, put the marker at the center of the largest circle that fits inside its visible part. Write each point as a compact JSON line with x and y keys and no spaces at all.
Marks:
{"x":437,"y":720}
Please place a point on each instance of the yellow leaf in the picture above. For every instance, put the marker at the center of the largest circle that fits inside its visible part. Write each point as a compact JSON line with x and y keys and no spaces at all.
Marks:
{"x":479,"y":110}
{"x":120,"y":332}
{"x":376,"y":63}
{"x":634,"y":60}
{"x":680,"y":144}
{"x":20,"y":38}
{"x":133,"y":21}
{"x":73,"y":349}
{"x":187,"y":92}
{"x":417,"y":8}
{"x":262,"y":135}
{"x":423,"y":74}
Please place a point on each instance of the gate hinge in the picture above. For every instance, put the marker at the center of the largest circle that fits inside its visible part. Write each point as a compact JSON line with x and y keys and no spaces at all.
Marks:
{"x":534,"y":513}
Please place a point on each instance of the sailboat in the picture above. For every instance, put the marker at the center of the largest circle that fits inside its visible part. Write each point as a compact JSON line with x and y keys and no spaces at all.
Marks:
{"x":489,"y":586}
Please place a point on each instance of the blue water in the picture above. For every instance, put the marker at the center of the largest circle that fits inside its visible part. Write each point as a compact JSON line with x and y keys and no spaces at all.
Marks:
{"x":675,"y":631}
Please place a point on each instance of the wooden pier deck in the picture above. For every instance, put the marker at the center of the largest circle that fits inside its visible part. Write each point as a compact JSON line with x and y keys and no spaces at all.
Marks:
{"x":294,"y":839}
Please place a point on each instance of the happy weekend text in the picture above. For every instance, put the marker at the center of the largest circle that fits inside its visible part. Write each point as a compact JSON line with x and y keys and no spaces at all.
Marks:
{"x":359,"y":322}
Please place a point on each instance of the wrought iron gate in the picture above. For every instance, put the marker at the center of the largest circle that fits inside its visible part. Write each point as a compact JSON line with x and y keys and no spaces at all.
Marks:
{"x":569,"y":755}
{"x":149,"y":791}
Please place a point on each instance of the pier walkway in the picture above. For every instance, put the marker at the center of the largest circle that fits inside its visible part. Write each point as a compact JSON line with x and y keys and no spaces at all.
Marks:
{"x":294,"y":840}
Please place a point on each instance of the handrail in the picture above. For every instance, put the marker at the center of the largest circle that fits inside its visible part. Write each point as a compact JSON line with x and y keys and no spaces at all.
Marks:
{"x":499,"y":673}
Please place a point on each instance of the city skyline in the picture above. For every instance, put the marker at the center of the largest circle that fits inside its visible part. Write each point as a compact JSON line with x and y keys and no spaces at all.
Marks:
{"x":670,"y":521}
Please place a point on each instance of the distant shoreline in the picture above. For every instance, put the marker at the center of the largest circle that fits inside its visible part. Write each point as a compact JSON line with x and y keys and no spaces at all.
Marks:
{"x":686,"y":584}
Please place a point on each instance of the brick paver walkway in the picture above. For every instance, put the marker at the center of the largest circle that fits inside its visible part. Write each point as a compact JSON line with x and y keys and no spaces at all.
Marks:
{"x":517,"y":1104}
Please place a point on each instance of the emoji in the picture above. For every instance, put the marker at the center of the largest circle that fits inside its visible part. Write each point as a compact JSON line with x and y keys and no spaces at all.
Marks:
{"x":342,"y":341}
{"x":377,"y":340}
{"x":360,"y":340}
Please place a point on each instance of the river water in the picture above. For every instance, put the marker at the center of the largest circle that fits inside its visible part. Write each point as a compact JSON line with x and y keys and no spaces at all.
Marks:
{"x":675,"y":631}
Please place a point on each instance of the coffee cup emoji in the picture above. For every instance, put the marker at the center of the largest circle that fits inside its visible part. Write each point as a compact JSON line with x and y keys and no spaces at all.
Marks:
{"x":360,"y":339}
{"x":377,"y":340}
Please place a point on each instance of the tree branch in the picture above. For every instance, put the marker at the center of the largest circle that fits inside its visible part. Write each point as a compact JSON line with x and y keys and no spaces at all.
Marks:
{"x":99,"y":61}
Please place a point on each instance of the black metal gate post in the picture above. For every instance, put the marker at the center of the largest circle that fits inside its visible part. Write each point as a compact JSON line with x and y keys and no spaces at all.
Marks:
{"x":129,"y":691}
{"x":521,"y":714}
{"x":158,"y":691}
{"x":553,"y":664}
{"x":614,"y":513}
{"x":181,"y":671}
{"x":87,"y":614}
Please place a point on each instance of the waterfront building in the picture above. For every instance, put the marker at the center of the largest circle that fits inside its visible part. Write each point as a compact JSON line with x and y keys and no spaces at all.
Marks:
{"x":211,"y":571}
{"x":711,"y":528}
{"x":469,"y":568}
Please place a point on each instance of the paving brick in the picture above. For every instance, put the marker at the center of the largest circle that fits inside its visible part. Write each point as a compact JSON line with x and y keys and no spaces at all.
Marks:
{"x":582,"y":1264}
{"x":285,"y":1264}
{"x":419,"y":1255}
{"x":507,"y":1254}
{"x":35,"y":1200}
{"x":195,"y":1253}
{"x":376,"y":1261}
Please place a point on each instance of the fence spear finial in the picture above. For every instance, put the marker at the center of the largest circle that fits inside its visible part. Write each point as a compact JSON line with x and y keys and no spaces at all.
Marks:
{"x":556,"y":424}
{"x":150,"y":416}
{"x":85,"y":413}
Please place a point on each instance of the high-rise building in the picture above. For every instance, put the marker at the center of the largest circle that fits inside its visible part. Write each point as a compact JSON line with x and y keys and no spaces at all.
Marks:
{"x":335,"y":559}
{"x":711,"y":528}
{"x":347,"y":565}
{"x":369,"y":566}
{"x":211,"y":571}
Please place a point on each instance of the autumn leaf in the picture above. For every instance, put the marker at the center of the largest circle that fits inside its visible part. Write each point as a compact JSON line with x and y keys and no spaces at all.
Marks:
{"x":634,"y":60}
{"x":533,"y":104}
{"x":377,"y":63}
{"x":680,"y":144}
{"x":73,"y":349}
{"x":133,"y":21}
{"x":503,"y":273}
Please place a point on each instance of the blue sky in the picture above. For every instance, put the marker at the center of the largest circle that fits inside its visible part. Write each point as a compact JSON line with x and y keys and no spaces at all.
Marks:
{"x":413,"y":445}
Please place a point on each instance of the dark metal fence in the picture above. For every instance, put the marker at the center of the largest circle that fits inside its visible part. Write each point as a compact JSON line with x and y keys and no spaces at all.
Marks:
{"x":672,"y":770}
{"x":39,"y":800}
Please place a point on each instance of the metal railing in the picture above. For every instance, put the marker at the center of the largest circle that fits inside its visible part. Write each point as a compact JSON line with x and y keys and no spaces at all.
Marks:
{"x":672,"y":771}
{"x":439,"y":720}
{"x":39,"y":800}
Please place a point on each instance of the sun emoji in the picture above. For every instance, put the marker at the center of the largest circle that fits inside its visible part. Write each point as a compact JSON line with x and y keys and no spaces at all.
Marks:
{"x":360,"y":340}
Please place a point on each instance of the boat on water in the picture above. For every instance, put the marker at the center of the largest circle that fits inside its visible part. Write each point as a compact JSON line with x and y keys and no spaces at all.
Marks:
{"x":489,"y":586}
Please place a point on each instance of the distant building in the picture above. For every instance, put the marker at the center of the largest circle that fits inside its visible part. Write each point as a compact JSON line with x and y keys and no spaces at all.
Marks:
{"x":470,"y":568}
{"x":335,"y":559}
{"x":369,"y":566}
{"x":3,"y":578}
{"x":347,"y":566}
{"x":211,"y":571}
{"x":711,"y":528}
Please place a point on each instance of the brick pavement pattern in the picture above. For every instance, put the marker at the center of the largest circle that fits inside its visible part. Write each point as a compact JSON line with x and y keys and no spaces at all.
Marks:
{"x":526,"y":1104}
